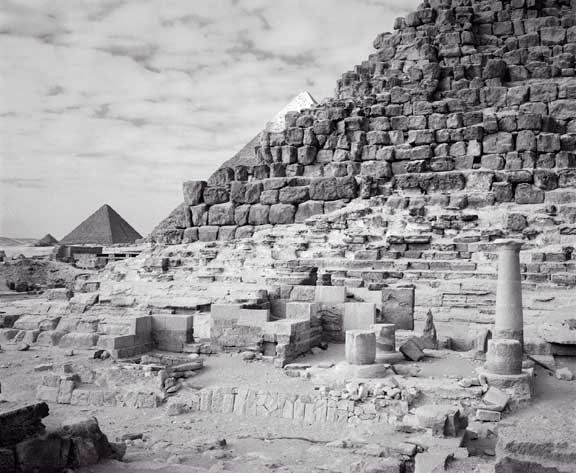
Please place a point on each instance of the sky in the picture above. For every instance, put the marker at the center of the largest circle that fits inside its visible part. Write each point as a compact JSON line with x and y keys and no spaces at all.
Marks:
{"x":120,"y":101}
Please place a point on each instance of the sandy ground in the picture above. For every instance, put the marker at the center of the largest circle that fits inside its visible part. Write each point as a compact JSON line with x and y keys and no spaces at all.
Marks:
{"x":28,"y":251}
{"x":186,"y":443}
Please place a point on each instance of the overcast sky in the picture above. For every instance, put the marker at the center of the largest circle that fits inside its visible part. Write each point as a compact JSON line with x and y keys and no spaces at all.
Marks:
{"x":119,"y":101}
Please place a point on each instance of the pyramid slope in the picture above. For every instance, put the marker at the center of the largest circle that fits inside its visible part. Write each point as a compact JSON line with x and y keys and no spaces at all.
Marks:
{"x":103,"y":227}
{"x":46,"y":240}
{"x":247,"y":156}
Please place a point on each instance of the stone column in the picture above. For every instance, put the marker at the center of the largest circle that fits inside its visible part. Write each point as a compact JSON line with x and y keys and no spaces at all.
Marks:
{"x":385,"y":337}
{"x":509,"y":322}
{"x":360,"y":347}
{"x":504,"y":357}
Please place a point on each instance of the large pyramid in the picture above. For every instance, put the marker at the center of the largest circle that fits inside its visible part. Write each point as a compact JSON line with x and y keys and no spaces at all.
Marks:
{"x":103,"y":227}
{"x":247,"y":155}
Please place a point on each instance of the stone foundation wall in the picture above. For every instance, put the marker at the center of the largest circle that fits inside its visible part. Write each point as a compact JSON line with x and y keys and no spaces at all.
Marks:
{"x":301,"y":407}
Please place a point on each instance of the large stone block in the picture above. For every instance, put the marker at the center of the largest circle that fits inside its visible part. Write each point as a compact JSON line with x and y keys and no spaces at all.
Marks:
{"x":324,"y":189}
{"x":221,"y":214}
{"x":308,"y":209}
{"x":199,"y":215}
{"x":259,"y":214}
{"x":359,"y":315}
{"x":281,"y":214}
{"x":208,"y":233}
{"x":330,"y":294}
{"x":215,"y":195}
{"x":221,"y":177}
{"x":398,"y":306}
{"x":528,"y":194}
{"x":193,"y":191}
{"x":293,"y":195}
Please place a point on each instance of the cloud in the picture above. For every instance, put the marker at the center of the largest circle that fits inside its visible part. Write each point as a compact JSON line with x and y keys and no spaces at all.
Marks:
{"x":23,"y":183}
{"x":121,"y":100}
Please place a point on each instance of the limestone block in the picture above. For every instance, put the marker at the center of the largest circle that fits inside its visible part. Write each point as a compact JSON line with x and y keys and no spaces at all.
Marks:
{"x":347,"y":187}
{"x":221,"y":178}
{"x":215,"y":195}
{"x":199,"y":215}
{"x":253,"y":317}
{"x":398,"y":306}
{"x":359,"y":315}
{"x":221,"y":214}
{"x":269,"y":197}
{"x":281,"y":214}
{"x":190,"y":235}
{"x":308,"y":209}
{"x":324,"y":189}
{"x":245,"y":231}
{"x":528,"y":194}
{"x":293,"y":195}
{"x":208,"y":233}
{"x":307,"y":155}
{"x":360,"y":347}
{"x":227,"y":232}
{"x":193,"y":192}
{"x":78,"y":340}
{"x":567,"y":178}
{"x":545,"y":180}
{"x":411,"y":350}
{"x":258,"y":214}
{"x":241,"y":214}
{"x":330,"y":294}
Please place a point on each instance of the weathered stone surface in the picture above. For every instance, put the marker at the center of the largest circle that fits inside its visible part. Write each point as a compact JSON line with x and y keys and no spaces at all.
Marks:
{"x":221,"y":214}
{"x":308,"y":209}
{"x":281,"y":214}
{"x":193,"y":191}
{"x":259,"y":214}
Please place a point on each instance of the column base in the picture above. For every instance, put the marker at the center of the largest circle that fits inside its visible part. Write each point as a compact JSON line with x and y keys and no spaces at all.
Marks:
{"x":519,"y":386}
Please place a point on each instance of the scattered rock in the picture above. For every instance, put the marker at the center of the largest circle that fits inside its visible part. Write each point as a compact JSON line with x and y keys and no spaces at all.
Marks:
{"x":23,"y":347}
{"x":411,"y":350}
{"x":248,"y":355}
{"x":495,"y":399}
{"x":44,"y":367}
{"x":69,"y":353}
{"x":564,"y":374}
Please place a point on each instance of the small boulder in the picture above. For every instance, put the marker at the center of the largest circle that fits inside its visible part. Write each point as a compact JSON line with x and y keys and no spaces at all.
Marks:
{"x":564,"y":374}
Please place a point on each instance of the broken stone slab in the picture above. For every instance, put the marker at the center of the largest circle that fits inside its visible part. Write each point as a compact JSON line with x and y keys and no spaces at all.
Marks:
{"x":495,"y":399}
{"x":411,"y":350}
{"x":486,"y":415}
{"x":445,"y":421}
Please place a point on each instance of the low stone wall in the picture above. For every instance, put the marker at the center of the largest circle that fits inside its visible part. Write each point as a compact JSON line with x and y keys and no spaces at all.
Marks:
{"x":67,"y":389}
{"x":315,"y":408}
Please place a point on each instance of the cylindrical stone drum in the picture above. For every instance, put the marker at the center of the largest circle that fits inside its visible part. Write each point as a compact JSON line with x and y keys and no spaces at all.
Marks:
{"x":504,"y":357}
{"x":360,"y":347}
{"x":385,"y":337}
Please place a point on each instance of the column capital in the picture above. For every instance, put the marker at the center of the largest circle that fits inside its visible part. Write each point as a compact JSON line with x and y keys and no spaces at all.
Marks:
{"x":509,"y":244}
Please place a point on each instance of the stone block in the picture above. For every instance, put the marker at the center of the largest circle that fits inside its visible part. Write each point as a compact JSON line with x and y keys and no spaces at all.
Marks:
{"x":253,"y":317}
{"x":411,"y":350}
{"x":190,"y":235}
{"x":398,"y":306}
{"x":360,"y":347}
{"x":193,"y":192}
{"x":259,"y":214}
{"x":221,"y":214}
{"x":227,"y":233}
{"x":281,"y":214}
{"x":330,"y":294}
{"x":208,"y":233}
{"x":385,"y":337}
{"x":359,"y":315}
{"x":528,"y":194}
{"x":215,"y":195}
{"x":308,"y":209}
{"x":199,"y":215}
{"x":293,"y":195}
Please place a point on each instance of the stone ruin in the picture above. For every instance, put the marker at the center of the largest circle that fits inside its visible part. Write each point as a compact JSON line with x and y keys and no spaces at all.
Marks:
{"x":27,"y":446}
{"x":409,"y":193}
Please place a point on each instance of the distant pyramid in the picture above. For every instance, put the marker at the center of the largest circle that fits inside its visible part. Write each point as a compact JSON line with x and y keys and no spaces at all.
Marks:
{"x":246,"y":156}
{"x":46,"y":240}
{"x":103,"y":227}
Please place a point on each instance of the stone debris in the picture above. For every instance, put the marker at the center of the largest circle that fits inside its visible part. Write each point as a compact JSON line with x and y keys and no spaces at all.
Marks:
{"x":412,"y":350}
{"x":564,"y":374}
{"x":495,"y":399}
